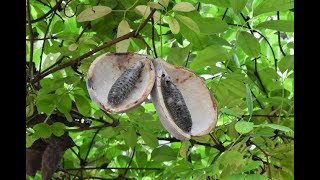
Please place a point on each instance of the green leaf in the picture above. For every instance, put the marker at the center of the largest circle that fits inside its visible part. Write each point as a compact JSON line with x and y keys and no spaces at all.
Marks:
{"x":58,"y":128}
{"x":235,"y":177}
{"x":251,"y":165}
{"x":164,"y":2}
{"x":277,"y":126}
{"x":184,"y":149}
{"x":179,"y":55}
{"x":220,"y":3}
{"x":265,"y":131}
{"x":44,"y":103}
{"x":42,"y":130}
{"x":273,"y":5}
{"x":249,"y":100}
{"x":163,"y":153}
{"x":212,"y":26}
{"x":183,"y":7}
{"x":155,"y":5}
{"x":231,"y":158}
{"x":286,"y":63}
{"x":63,"y":103}
{"x":107,"y":132}
{"x":256,"y":177}
{"x":244,"y":127}
{"x":149,"y":138}
{"x":174,"y":25}
{"x":230,"y":112}
{"x":189,"y":23}
{"x":123,"y":28}
{"x":93,"y":13}
{"x":83,"y":105}
{"x":238,"y":5}
{"x":279,"y":25}
{"x":130,"y":137}
{"x":248,"y":43}
{"x":209,"y":56}
{"x":142,"y":10}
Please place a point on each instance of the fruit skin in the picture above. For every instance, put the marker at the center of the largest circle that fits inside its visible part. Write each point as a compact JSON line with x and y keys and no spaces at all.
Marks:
{"x":125,"y":83}
{"x":175,"y":104}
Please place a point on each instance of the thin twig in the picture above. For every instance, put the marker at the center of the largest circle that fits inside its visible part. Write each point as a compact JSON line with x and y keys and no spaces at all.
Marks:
{"x":105,"y":45}
{"x":91,"y":143}
{"x":44,"y":3}
{"x":54,"y":64}
{"x":44,"y":42}
{"x":259,"y":78}
{"x":279,"y":41}
{"x":225,"y":13}
{"x":187,"y":60}
{"x":31,"y":41}
{"x":267,"y":157}
{"x":129,"y":164}
{"x":48,"y":13}
{"x":153,"y":41}
{"x":145,"y":43}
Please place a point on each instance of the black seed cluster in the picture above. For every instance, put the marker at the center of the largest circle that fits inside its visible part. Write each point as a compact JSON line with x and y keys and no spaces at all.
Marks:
{"x":175,"y":104}
{"x":125,"y":83}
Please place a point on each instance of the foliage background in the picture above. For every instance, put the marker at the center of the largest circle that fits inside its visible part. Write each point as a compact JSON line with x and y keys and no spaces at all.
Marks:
{"x":242,"y":48}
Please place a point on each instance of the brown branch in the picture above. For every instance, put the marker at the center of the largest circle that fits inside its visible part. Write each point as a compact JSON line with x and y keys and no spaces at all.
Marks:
{"x":105,"y":45}
{"x":31,"y":41}
{"x":279,"y":41}
{"x":57,"y":6}
{"x":94,"y":168}
{"x":54,"y":64}
{"x":267,"y":157}
{"x":153,"y":43}
{"x":259,"y":78}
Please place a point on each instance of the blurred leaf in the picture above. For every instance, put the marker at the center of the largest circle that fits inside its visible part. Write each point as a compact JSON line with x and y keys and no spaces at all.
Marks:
{"x":42,"y":130}
{"x":238,"y":5}
{"x":174,"y":25}
{"x":183,"y":6}
{"x":58,"y":128}
{"x":155,"y":5}
{"x":83,"y":105}
{"x":44,"y":103}
{"x":93,"y":13}
{"x":130,"y":137}
{"x":244,"y":127}
{"x":179,"y":55}
{"x":273,"y":5}
{"x":248,"y":43}
{"x":279,"y":25}
{"x":149,"y":138}
{"x":277,"y":126}
{"x":209,"y":56}
{"x":286,"y":63}
{"x":189,"y":23}
{"x":163,"y":153}
{"x":164,"y":2}
{"x":63,"y":103}
{"x":123,"y":29}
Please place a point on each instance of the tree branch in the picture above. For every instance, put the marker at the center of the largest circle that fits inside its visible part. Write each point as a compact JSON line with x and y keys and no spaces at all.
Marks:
{"x":279,"y":41}
{"x":105,"y":45}
{"x":58,"y":5}
{"x":40,"y":39}
{"x":126,"y":170}
{"x":187,"y":60}
{"x":267,"y":157}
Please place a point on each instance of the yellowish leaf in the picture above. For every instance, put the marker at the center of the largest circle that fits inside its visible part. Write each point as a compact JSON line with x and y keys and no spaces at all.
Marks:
{"x":93,"y":13}
{"x":174,"y":25}
{"x":183,"y":7}
{"x":123,"y":28}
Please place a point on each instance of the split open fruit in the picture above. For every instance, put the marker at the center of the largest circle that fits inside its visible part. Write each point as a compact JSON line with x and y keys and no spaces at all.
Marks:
{"x":198,"y":100}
